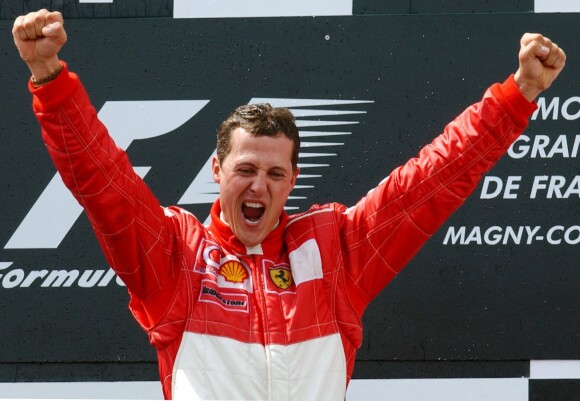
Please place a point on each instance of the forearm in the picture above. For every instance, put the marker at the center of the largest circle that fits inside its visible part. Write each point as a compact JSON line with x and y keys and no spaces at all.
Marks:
{"x":85,"y":155}
{"x":451,"y":167}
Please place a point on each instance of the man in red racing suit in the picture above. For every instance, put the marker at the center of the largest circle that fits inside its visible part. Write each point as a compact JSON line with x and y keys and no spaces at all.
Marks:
{"x":279,"y":319}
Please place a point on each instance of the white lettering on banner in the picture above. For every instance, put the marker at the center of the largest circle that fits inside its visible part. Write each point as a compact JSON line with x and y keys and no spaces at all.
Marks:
{"x":510,"y":235}
{"x":545,"y":147}
{"x":570,"y":108}
{"x":492,"y":187}
{"x":556,"y":186}
{"x":550,"y":187}
{"x":19,"y":278}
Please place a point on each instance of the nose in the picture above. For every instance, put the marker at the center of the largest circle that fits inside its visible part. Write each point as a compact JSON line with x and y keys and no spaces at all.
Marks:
{"x":259,"y":184}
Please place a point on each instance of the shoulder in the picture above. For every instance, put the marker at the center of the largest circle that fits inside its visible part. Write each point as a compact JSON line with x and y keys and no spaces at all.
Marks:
{"x":318,"y":212}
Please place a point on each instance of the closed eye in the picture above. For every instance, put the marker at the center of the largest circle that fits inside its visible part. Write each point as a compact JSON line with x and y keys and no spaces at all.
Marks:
{"x":245,"y":171}
{"x":277,"y":175}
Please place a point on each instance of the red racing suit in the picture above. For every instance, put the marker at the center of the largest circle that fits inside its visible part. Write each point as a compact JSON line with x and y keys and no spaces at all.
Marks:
{"x":281,"y":320}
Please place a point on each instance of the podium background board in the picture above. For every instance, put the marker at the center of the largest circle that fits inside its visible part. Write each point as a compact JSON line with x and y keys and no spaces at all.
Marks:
{"x":493,"y":293}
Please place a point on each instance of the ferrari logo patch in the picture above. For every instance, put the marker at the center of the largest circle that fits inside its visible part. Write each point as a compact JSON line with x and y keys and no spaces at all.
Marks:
{"x":281,"y":277}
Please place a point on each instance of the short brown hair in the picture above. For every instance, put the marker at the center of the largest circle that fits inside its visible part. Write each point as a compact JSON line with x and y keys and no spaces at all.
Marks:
{"x":259,"y":120}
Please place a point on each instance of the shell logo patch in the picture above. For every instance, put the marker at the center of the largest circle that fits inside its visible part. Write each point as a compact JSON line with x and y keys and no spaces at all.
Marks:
{"x":233,"y":271}
{"x":281,"y":276}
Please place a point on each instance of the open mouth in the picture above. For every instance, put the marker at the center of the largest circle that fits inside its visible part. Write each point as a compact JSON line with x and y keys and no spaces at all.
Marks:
{"x":253,"y":212}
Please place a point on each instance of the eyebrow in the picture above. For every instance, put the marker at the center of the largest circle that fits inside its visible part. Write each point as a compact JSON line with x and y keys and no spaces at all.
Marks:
{"x":241,"y":163}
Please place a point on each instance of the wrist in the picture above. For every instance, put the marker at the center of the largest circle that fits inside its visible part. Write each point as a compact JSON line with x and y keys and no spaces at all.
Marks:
{"x":44,"y":72}
{"x":529,"y":91}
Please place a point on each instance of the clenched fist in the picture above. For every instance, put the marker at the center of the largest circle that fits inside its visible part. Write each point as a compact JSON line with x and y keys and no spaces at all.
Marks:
{"x":541,"y":60}
{"x":39,"y":36}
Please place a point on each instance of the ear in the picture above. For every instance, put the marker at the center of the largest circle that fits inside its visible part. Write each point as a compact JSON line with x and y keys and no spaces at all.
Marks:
{"x":215,"y":169}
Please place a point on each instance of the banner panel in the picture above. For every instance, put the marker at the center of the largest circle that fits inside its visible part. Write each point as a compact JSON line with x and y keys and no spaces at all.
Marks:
{"x":499,"y":281}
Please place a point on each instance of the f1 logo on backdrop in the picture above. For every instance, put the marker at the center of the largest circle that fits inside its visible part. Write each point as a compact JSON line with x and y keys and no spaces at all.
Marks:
{"x":55,"y":212}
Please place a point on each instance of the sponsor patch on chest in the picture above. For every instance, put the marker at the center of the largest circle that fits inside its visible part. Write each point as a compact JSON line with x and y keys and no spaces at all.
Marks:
{"x":226,"y":271}
{"x":228,"y":300}
{"x":278,"y":277}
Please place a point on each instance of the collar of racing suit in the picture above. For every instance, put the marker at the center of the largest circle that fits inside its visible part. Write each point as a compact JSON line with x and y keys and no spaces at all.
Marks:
{"x":272,"y":245}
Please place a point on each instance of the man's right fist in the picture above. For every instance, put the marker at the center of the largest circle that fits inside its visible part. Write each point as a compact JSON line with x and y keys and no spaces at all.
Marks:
{"x":39,"y":36}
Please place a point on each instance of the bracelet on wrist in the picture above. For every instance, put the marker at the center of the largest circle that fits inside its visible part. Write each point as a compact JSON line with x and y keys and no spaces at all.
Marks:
{"x":37,"y":83}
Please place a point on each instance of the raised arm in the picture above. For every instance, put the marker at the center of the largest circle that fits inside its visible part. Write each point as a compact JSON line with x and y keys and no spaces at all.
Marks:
{"x":135,"y":233}
{"x":389,"y":226}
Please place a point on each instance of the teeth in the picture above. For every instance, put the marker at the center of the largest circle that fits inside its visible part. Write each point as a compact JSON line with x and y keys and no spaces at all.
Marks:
{"x":253,"y":204}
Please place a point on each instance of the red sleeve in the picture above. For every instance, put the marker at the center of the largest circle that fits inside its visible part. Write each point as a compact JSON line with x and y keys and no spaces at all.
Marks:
{"x":49,"y":97}
{"x":389,"y":226}
{"x":135,"y":233}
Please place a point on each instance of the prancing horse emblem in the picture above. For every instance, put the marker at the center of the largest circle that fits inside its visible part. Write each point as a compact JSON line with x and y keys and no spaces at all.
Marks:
{"x":281,"y":277}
